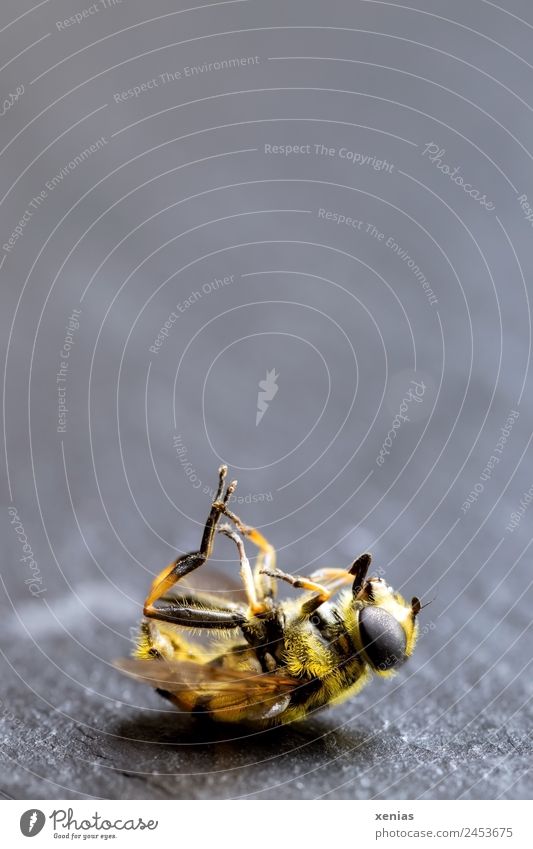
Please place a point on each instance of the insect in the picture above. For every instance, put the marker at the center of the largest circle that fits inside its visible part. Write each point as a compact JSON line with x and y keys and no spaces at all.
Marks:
{"x":278,"y":660}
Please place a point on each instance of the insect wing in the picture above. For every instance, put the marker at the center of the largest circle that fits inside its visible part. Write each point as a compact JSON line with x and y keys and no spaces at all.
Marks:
{"x":260,"y":696}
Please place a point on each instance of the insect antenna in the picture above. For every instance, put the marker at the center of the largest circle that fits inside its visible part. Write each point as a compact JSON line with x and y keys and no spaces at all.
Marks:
{"x":417,"y":606}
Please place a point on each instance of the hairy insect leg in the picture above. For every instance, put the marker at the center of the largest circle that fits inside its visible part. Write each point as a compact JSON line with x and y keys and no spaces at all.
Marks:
{"x":192,"y":613}
{"x":155,"y":640}
{"x":247,"y":577}
{"x":186,"y":563}
{"x":266,"y":559}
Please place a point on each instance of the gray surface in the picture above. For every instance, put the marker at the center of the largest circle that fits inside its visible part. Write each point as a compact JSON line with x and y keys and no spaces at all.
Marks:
{"x":343,"y":320}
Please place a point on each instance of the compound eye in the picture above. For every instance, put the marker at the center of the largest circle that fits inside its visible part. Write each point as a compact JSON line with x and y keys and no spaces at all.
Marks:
{"x":383,"y":638}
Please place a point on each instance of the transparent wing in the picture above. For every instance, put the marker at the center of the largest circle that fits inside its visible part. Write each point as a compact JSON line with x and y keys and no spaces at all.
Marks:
{"x":258,"y":695}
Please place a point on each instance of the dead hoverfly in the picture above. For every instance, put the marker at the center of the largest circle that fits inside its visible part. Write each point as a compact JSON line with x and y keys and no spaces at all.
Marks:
{"x":279,"y":661}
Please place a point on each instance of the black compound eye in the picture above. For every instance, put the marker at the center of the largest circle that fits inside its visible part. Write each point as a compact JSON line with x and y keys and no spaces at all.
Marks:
{"x":382,"y":636}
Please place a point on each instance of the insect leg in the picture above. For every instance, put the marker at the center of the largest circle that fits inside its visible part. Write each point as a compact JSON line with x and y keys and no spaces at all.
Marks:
{"x":324,"y":582}
{"x":334,"y":579}
{"x":186,"y":563}
{"x":256,"y":606}
{"x":155,"y":640}
{"x":266,"y":560}
{"x":190,"y":615}
{"x":359,"y":569}
{"x":322,"y":593}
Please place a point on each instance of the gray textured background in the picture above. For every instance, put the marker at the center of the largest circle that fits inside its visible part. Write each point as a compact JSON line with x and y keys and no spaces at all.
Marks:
{"x":180,"y":193}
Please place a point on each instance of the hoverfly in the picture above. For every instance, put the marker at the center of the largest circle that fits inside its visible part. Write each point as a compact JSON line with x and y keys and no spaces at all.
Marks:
{"x":280,"y":660}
